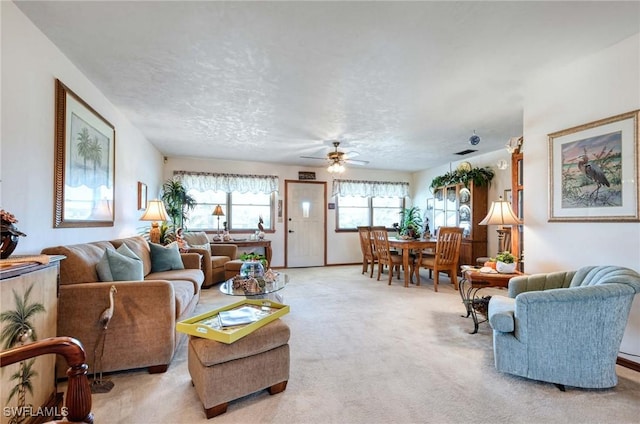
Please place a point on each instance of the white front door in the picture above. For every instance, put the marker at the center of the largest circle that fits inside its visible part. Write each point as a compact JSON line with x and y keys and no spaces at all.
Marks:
{"x":305,"y":224}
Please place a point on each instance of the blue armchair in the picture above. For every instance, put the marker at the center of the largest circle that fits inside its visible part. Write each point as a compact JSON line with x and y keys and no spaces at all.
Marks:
{"x":564,"y":327}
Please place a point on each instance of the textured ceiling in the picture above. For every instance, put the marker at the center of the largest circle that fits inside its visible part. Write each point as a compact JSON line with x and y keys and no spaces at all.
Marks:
{"x":404,"y":84}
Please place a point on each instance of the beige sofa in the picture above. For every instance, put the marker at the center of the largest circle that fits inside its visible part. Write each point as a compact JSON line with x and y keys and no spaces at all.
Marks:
{"x":142,"y":331}
{"x":214,"y":256}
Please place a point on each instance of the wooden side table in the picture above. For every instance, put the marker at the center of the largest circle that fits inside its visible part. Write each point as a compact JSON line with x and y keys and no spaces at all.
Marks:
{"x":473,"y":281}
{"x":251,"y":243}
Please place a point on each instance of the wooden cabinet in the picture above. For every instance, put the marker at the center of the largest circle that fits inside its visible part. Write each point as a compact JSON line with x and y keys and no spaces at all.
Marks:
{"x":460,"y":206}
{"x":517,"y":185}
{"x":30,"y":287}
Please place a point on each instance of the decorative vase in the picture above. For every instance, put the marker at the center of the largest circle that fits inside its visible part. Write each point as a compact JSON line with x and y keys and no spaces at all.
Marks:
{"x":505,"y":268}
{"x":9,"y":240}
{"x":251,"y":269}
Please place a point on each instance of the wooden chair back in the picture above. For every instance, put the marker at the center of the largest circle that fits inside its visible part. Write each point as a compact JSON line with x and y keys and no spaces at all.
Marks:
{"x":446,"y":257}
{"x":380,"y":239}
{"x":448,"y":245}
{"x":368,"y":252}
{"x":78,"y":396}
{"x":366,"y":242}
{"x":506,"y":240}
{"x":382,"y":251}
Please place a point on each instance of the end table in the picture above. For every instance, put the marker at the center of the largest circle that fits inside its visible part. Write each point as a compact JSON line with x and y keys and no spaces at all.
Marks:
{"x":473,"y":281}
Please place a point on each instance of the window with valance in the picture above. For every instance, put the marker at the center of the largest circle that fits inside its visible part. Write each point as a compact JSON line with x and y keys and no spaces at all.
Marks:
{"x":368,"y":203}
{"x":370,"y":188}
{"x":244,"y":200}
{"x":228,"y":183}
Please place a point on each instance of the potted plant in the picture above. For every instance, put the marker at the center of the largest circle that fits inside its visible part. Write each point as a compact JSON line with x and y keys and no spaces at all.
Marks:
{"x":505,"y":263}
{"x":178,"y":202}
{"x":410,"y":222}
{"x":250,"y":256}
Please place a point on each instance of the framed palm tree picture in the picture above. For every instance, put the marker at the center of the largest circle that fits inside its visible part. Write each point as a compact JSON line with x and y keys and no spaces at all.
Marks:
{"x":84,"y":164}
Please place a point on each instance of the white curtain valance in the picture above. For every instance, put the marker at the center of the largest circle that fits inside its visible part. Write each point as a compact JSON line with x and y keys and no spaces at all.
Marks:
{"x":228,"y":183}
{"x":370,"y":188}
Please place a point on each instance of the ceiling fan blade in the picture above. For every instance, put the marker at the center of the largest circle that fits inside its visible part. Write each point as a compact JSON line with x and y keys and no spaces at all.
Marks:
{"x":357,"y":162}
{"x":313,"y":157}
{"x":351,"y":154}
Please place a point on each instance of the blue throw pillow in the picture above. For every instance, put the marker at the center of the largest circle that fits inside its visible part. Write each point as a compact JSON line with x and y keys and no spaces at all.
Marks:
{"x":165,"y":258}
{"x":120,"y":265}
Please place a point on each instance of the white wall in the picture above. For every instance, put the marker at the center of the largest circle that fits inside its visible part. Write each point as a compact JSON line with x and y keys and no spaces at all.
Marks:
{"x":30,"y":66}
{"x":342,"y":248}
{"x":595,"y":87}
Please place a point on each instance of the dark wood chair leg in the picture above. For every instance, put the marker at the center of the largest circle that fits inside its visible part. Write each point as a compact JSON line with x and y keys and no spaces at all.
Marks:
{"x":214,"y":411}
{"x":277,"y":388}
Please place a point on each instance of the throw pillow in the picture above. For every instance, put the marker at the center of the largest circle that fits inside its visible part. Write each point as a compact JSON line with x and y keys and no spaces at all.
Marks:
{"x":165,"y":258}
{"x":120,"y":265}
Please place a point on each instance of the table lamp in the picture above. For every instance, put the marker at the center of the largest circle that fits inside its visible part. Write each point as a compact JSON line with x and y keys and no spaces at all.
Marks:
{"x":500,"y":213}
{"x":155,"y":212}
{"x":218,"y":212}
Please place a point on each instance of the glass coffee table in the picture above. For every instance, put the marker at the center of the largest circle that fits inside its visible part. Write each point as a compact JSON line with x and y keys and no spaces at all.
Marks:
{"x":258,"y":289}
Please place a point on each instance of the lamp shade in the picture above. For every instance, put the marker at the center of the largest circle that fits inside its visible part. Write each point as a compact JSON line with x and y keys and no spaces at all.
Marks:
{"x":155,"y":211}
{"x":218,"y":211}
{"x":500,"y":213}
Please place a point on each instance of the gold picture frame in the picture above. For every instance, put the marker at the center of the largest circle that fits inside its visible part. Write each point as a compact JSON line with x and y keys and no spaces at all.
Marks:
{"x":142,"y":196}
{"x":593,"y":171}
{"x":84,"y":168}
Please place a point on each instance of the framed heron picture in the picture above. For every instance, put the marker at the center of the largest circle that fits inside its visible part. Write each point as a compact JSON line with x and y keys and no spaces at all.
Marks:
{"x":84,"y":164}
{"x":594,"y":171}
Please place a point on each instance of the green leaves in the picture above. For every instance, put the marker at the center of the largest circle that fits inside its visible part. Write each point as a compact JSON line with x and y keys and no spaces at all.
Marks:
{"x":479,"y":177}
{"x":177,"y":201}
{"x":505,"y":257}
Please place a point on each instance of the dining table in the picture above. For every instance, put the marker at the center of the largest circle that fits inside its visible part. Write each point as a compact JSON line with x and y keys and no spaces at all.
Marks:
{"x":407,"y":245}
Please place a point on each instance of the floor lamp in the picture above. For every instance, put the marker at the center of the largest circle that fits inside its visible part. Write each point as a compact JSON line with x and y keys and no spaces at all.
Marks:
{"x":218,"y":212}
{"x":155,"y":212}
{"x":500,"y":213}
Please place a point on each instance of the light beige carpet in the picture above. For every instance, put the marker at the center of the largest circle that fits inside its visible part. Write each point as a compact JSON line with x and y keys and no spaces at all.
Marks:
{"x":366,"y":352}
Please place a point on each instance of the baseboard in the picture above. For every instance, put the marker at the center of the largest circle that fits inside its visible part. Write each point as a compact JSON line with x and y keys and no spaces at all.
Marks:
{"x":627,"y":363}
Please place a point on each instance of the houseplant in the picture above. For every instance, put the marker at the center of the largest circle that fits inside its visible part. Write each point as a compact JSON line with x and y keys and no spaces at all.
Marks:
{"x":505,"y":263}
{"x":410,"y":222}
{"x":177,"y":202}
{"x":251,"y":256}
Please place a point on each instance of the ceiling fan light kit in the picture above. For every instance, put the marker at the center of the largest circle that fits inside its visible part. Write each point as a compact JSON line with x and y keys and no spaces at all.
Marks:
{"x":336,"y":168}
{"x":337,"y":159}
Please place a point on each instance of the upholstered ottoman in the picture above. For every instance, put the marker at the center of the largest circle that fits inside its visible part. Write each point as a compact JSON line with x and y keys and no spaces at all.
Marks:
{"x":232,"y":268}
{"x":223,"y":372}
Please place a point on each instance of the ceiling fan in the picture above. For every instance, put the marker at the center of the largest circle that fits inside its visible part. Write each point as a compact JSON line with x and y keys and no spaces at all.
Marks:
{"x":337,"y":159}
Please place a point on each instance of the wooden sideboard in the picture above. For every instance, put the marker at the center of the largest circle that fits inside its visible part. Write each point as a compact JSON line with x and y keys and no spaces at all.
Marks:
{"x":30,"y":285}
{"x":250,"y":244}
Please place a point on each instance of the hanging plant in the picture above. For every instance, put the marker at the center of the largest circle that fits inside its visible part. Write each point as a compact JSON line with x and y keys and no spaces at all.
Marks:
{"x":479,"y":177}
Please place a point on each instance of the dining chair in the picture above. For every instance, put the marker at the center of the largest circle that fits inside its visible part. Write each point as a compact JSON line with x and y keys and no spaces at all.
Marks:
{"x":381,"y":245}
{"x":368,"y":253}
{"x":445,"y":259}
